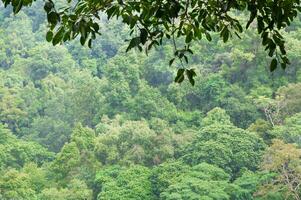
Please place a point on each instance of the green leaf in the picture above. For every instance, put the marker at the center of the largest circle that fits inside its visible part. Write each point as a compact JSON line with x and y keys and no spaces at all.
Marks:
{"x":53,"y":18}
{"x":285,"y":60}
{"x":277,"y":40}
{"x":260,"y":24}
{"x":208,"y":36}
{"x":48,"y":6}
{"x":49,"y":36}
{"x":252,"y":17}
{"x":143,"y":35}
{"x":133,"y":43}
{"x":189,"y":51}
{"x":18,"y":7}
{"x":282,"y":49}
{"x":82,"y":40}
{"x":191,"y":74}
{"x":58,"y":36}
{"x":171,"y":61}
{"x":265,"y":38}
{"x":186,"y":59}
{"x":272,"y":47}
{"x":189,"y":37}
{"x":180,"y":76}
{"x":225,"y":34}
{"x":273,"y":65}
{"x":111,"y":11}
{"x":90,"y":43}
{"x":95,"y":27}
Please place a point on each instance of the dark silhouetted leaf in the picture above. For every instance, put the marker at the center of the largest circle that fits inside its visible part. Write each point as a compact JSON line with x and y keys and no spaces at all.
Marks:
{"x":49,"y":36}
{"x":143,"y":36}
{"x":58,"y":36}
{"x":273,"y":65}
{"x":171,"y":61}
{"x":180,"y":76}
{"x":133,"y":43}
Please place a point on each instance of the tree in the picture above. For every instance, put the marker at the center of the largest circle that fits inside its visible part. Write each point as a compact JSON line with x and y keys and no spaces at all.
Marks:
{"x":286,"y":102}
{"x":16,"y":185}
{"x":202,"y":181}
{"x":166,"y":174}
{"x":11,"y":107}
{"x":262,"y":129}
{"x":284,"y":160}
{"x":291,"y":98}
{"x":124,"y":183}
{"x":75,"y":190}
{"x":151,"y":22}
{"x":289,"y":131}
{"x":84,"y":138}
{"x":134,"y":142}
{"x":216,"y":116}
{"x":224,"y":145}
{"x":249,"y":184}
{"x":37,"y":176}
{"x":148,"y":102}
{"x":66,"y":161}
{"x":16,"y":153}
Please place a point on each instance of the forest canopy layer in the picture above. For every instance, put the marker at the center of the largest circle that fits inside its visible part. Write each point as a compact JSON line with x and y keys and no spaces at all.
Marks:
{"x":102,"y":124}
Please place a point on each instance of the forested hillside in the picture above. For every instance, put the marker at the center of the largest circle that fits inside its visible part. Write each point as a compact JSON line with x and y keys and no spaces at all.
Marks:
{"x":101,"y":124}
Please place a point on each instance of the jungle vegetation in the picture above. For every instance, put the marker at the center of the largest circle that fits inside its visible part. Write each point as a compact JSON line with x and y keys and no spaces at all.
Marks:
{"x":100,"y":123}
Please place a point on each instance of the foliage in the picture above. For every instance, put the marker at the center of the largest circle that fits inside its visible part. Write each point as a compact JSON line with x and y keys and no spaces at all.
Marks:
{"x":283,"y":159}
{"x":290,"y":130}
{"x":203,"y":181}
{"x":80,"y":123}
{"x":224,"y":145}
{"x":117,"y":182}
{"x":150,"y":23}
{"x":16,"y":185}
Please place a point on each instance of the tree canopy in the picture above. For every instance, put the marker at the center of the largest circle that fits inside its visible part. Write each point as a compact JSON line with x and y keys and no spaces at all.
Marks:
{"x":152,"y":22}
{"x":80,"y":123}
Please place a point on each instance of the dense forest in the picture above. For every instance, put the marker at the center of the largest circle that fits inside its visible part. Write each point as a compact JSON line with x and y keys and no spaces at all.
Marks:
{"x":102,"y":124}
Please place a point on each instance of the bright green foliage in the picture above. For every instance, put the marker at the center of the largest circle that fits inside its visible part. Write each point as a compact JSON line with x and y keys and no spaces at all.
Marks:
{"x":121,"y":183}
{"x":216,"y":116}
{"x":83,"y":137}
{"x":149,"y":103}
{"x":15,"y":152}
{"x":291,"y":96}
{"x":261,"y":128}
{"x":16,"y":185}
{"x":202,"y":181}
{"x":134,"y":142}
{"x":37,"y":176}
{"x":249,"y":184}
{"x":166,"y":174}
{"x":76,"y":190}
{"x":290,"y":131}
{"x":224,"y":145}
{"x":284,"y":160}
{"x":66,"y":160}
{"x":11,"y":107}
